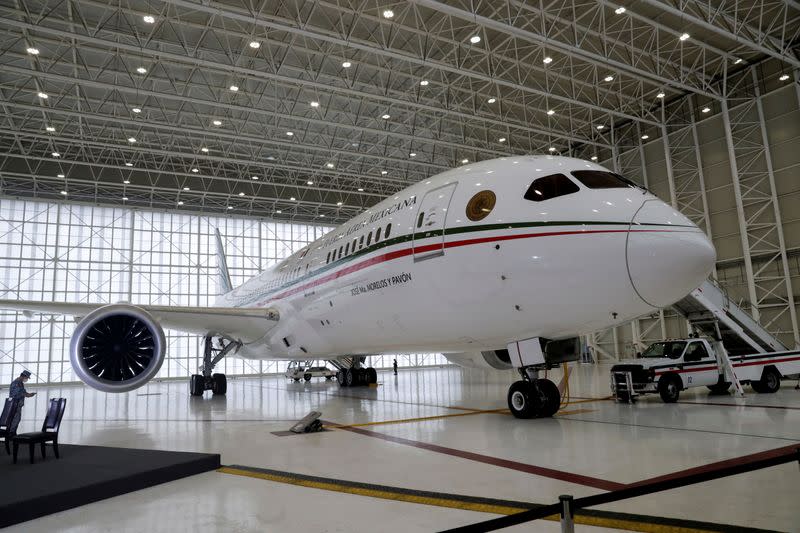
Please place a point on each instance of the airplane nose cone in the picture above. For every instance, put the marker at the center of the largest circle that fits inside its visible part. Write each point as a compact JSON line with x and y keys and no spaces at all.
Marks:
{"x":667,"y":255}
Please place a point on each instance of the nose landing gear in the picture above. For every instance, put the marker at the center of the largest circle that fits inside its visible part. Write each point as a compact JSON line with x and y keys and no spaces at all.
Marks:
{"x":533,"y":397}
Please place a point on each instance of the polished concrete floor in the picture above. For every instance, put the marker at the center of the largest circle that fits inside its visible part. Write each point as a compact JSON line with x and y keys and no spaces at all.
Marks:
{"x":591,"y":446}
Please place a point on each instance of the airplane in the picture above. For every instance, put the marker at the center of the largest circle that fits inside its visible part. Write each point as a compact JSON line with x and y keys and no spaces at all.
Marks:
{"x":499,"y":264}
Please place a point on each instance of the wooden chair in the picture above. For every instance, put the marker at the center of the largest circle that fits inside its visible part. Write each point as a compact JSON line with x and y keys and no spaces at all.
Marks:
{"x":9,"y":410}
{"x":49,"y":432}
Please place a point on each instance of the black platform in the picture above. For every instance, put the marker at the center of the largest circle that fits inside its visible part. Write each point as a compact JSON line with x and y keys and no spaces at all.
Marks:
{"x":86,"y":474}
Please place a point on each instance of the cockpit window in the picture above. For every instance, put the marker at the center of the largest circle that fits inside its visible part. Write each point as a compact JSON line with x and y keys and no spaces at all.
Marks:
{"x":599,"y":179}
{"x":550,"y":187}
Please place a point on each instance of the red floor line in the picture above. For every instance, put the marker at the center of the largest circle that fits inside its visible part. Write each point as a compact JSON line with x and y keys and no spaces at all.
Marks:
{"x":719,"y":464}
{"x":742,"y":405}
{"x":496,"y":461}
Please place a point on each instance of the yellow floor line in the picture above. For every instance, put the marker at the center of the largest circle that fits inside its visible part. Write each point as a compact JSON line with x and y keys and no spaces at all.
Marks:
{"x":627,"y":525}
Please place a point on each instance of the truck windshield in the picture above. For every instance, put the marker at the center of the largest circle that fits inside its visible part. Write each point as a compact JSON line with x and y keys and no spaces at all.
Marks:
{"x":673,"y":350}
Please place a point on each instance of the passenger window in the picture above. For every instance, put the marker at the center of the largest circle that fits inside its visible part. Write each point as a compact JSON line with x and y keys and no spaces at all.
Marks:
{"x":354,"y":245}
{"x":599,"y":179}
{"x":388,"y":231}
{"x":369,"y":238}
{"x":377,"y":234}
{"x":347,"y":249}
{"x":550,"y":187}
{"x":328,"y":259}
{"x":695,"y":352}
{"x":361,"y":242}
{"x":419,"y":219}
{"x":340,"y":251}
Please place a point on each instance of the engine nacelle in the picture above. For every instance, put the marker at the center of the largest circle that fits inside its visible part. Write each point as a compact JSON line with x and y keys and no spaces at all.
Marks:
{"x":117,"y":348}
{"x":487,"y":360}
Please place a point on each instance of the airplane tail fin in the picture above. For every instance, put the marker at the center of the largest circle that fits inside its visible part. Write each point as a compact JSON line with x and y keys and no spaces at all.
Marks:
{"x":224,"y":279}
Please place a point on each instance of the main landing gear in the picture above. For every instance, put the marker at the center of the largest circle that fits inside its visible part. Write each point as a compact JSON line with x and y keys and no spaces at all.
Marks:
{"x":533,"y":397}
{"x":354,"y":377}
{"x":217,"y":383}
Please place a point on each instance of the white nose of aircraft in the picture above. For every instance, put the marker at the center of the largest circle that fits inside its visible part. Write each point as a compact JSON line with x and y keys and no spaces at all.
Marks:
{"x":667,"y":255}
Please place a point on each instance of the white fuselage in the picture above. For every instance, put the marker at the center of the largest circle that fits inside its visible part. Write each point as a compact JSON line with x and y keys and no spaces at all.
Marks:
{"x":441,"y":282}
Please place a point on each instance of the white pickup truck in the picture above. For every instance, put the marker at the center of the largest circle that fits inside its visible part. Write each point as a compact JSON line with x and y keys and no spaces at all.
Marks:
{"x":668,"y":367}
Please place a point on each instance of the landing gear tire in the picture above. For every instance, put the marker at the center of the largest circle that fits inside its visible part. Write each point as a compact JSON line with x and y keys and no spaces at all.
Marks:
{"x":350,"y":377}
{"x":669,"y":388}
{"x":372,"y":376}
{"x":770,"y":381}
{"x":549,"y":397}
{"x":523,"y":402}
{"x":220,"y":384}
{"x":196,"y":385}
{"x":341,"y":378}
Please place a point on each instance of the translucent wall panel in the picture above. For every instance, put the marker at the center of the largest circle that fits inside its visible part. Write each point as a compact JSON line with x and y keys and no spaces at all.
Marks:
{"x":78,"y":253}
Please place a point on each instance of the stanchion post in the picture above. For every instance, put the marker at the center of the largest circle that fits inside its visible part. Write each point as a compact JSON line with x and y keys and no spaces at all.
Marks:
{"x":567,"y":515}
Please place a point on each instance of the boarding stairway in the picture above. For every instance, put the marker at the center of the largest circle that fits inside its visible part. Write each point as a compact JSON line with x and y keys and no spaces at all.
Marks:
{"x":711,"y":312}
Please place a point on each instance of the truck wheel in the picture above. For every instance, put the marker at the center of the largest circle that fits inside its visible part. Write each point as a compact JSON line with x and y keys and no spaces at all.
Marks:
{"x":669,"y":387}
{"x":719,"y":388}
{"x":307,"y":377}
{"x":770,"y":381}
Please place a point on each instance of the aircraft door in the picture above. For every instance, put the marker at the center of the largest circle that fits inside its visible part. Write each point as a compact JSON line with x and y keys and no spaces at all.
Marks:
{"x":430,"y":222}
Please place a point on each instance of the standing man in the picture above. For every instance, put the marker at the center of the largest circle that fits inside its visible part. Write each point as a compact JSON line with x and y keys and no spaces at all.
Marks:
{"x":394,"y":365}
{"x":17,"y":392}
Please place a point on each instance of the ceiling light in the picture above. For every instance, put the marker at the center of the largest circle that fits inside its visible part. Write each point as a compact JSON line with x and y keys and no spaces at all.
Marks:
{"x":64,"y":193}
{"x":126,"y":182}
{"x":314,"y":104}
{"x":329,"y":165}
{"x":706,"y":109}
{"x":279,"y":211}
{"x":195,"y":170}
{"x":186,"y":189}
{"x":384,"y":172}
{"x":684,"y":36}
{"x":255,"y":45}
{"x":660,"y":95}
{"x":645,"y":137}
{"x":230,"y":207}
{"x":609,"y":78}
{"x":124,"y":198}
{"x":56,"y":154}
{"x":180,"y":203}
{"x":254,"y":177}
{"x":424,"y":83}
{"x":784,"y":77}
{"x":551,"y":149}
{"x":413,"y":154}
{"x":128,"y":164}
{"x":347,"y":64}
{"x":338,"y":203}
{"x":360,"y":189}
{"x":217,"y":122}
{"x":464,"y":161}
{"x":475,"y":39}
{"x":309,"y":182}
{"x":234,"y":88}
{"x":141,"y":70}
{"x":322,"y":216}
{"x":270,"y":158}
{"x":61,"y":176}
{"x":136,"y":110}
{"x":50,"y":128}
{"x":547,"y":60}
{"x":204,"y":150}
{"x":33,"y":51}
{"x":501,"y":139}
{"x":43,"y":96}
{"x":289,"y":133}
{"x":620,"y":10}
{"x":150,"y":19}
{"x":241,"y":194}
{"x":385,"y":117}
{"x":131,"y":139}
{"x":387,"y":14}
{"x":600,"y":127}
{"x":492,"y":100}
{"x":738,"y":60}
{"x":292,"y":199}
{"x":551,"y":112}
{"x":594,"y":158}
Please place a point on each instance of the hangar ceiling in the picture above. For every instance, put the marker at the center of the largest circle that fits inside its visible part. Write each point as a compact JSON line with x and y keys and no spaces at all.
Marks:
{"x":313,"y":111}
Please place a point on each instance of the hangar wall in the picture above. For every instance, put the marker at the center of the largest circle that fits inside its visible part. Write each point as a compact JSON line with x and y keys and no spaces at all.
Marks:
{"x":86,"y":253}
{"x":781,"y":113}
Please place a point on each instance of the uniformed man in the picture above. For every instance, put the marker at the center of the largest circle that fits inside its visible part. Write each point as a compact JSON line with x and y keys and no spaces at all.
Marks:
{"x":17,"y":392}
{"x":394,"y":365}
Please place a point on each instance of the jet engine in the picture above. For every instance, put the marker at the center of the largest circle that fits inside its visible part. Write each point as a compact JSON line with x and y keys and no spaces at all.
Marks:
{"x":117,"y":348}
{"x":486,"y":360}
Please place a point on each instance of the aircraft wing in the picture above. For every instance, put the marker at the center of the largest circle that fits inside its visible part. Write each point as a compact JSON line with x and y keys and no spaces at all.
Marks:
{"x":241,"y":323}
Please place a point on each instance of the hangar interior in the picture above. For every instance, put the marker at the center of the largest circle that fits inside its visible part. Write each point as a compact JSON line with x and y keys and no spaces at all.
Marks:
{"x":130,"y":131}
